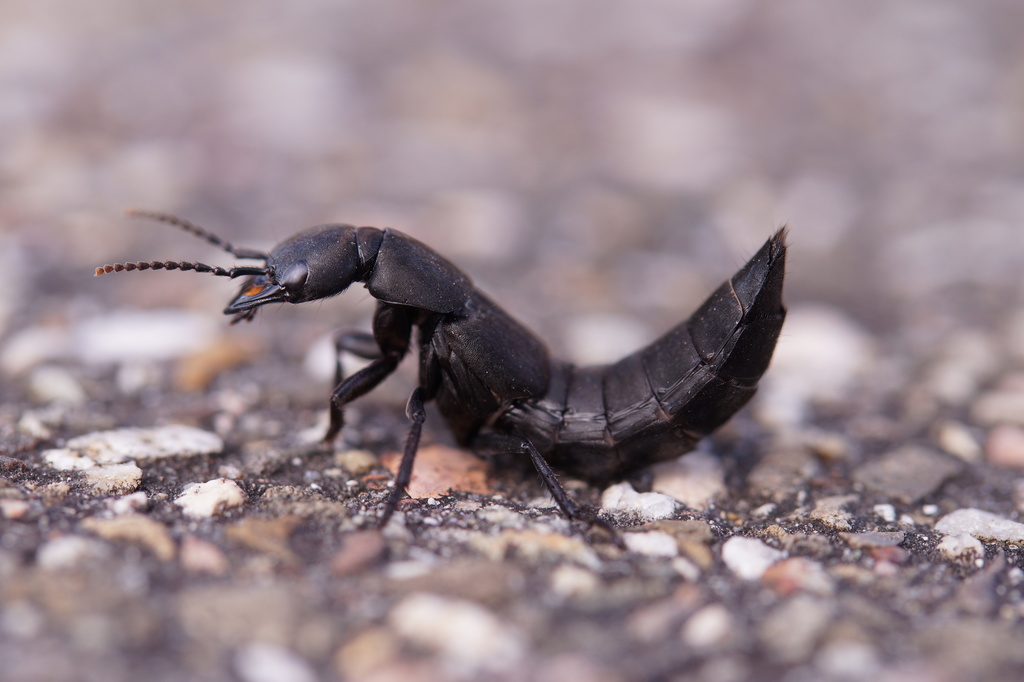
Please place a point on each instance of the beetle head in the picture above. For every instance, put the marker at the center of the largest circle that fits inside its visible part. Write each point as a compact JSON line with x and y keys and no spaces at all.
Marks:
{"x":318,"y":263}
{"x":314,"y":264}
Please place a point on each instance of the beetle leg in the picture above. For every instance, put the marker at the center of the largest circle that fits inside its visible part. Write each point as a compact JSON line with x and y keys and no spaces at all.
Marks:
{"x":392,"y":327}
{"x":359,"y":384}
{"x":508,"y":443}
{"x":417,"y":413}
{"x":359,"y":343}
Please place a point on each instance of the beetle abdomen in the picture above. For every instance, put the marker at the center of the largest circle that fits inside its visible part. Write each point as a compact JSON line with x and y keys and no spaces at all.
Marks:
{"x":601,"y":423}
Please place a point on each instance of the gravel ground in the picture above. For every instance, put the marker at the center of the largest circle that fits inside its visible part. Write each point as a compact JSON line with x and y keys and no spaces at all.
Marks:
{"x":598,"y":168}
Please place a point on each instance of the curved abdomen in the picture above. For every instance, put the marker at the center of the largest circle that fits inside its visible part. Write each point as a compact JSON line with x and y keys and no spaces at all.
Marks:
{"x":600,"y":423}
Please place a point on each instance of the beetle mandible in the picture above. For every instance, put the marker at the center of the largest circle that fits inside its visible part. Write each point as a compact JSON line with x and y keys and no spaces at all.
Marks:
{"x":491,"y":378}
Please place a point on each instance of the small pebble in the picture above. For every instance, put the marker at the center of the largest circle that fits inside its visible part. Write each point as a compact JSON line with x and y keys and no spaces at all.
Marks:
{"x":874,"y":538}
{"x":708,"y":627}
{"x":821,"y":355}
{"x":781,"y":473}
{"x":68,"y":551}
{"x":175,"y":440}
{"x":355,"y":462}
{"x":652,"y":544}
{"x":849,"y":660}
{"x":137,"y":529}
{"x":114,"y":479}
{"x":908,"y":473}
{"x":694,"y":480}
{"x":886,"y":512}
{"x":63,"y":459}
{"x":29,"y":347}
{"x":749,"y":558}
{"x":359,"y":550}
{"x":271,"y":537}
{"x":142,"y":335}
{"x":53,"y":384}
{"x":829,"y":511}
{"x":956,"y":439}
{"x":961,"y":547}
{"x":967,"y":359}
{"x":367,"y":653}
{"x":204,"y":500}
{"x":798,"y":574}
{"x":686,"y":569}
{"x":535,"y":546}
{"x":32,"y":425}
{"x":982,"y":525}
{"x":127,"y":504}
{"x":440,"y":469}
{"x":792,"y":630}
{"x":197,"y":370}
{"x":200,"y":556}
{"x":471,"y":639}
{"x":831,"y":447}
{"x":1005,"y":446}
{"x":1003,"y":405}
{"x":262,"y":662}
{"x":573,"y":581}
{"x":624,"y":499}
{"x":14,"y":509}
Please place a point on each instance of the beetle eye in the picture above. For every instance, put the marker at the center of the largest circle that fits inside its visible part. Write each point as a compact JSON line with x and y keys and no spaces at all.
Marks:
{"x":294,"y":278}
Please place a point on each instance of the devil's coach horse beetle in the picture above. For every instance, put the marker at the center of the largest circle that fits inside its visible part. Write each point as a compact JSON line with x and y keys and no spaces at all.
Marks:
{"x":491,"y":378}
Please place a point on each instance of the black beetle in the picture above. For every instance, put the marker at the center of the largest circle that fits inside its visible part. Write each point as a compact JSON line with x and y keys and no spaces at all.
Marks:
{"x":492,"y":379}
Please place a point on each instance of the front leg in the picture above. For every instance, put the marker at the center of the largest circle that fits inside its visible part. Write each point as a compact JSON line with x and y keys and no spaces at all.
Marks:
{"x":359,"y":343}
{"x":392,"y":327}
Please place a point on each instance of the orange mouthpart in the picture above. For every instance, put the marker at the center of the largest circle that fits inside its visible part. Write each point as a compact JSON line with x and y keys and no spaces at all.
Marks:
{"x":254,"y":289}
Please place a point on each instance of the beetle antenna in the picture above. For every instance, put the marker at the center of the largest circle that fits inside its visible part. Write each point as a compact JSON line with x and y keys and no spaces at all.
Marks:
{"x":192,"y":228}
{"x":180,"y":265}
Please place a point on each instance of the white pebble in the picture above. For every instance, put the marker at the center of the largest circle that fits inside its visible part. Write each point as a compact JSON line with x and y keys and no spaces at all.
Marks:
{"x":174,"y":440}
{"x":114,"y":479}
{"x":469,"y":637}
{"x":749,"y":558}
{"x":653,"y":544}
{"x":69,"y":551}
{"x":128,"y":504}
{"x":695,"y":480}
{"x":31,"y":424}
{"x":956,"y":439}
{"x":961,"y":547}
{"x":886,"y":512}
{"x":29,"y":347}
{"x":686,"y":568}
{"x":573,"y":581}
{"x":261,"y":662}
{"x":982,"y":525}
{"x":203,"y":500}
{"x":52,"y":384}
{"x":708,"y":627}
{"x":821,"y":355}
{"x":13,"y":509}
{"x":623,"y":498}
{"x":137,"y":336}
{"x":63,"y":459}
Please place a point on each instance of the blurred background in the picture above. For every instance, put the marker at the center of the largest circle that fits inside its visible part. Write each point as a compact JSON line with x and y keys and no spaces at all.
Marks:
{"x":597,"y":167}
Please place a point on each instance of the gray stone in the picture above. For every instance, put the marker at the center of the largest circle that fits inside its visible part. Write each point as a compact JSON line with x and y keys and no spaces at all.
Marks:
{"x":908,"y":474}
